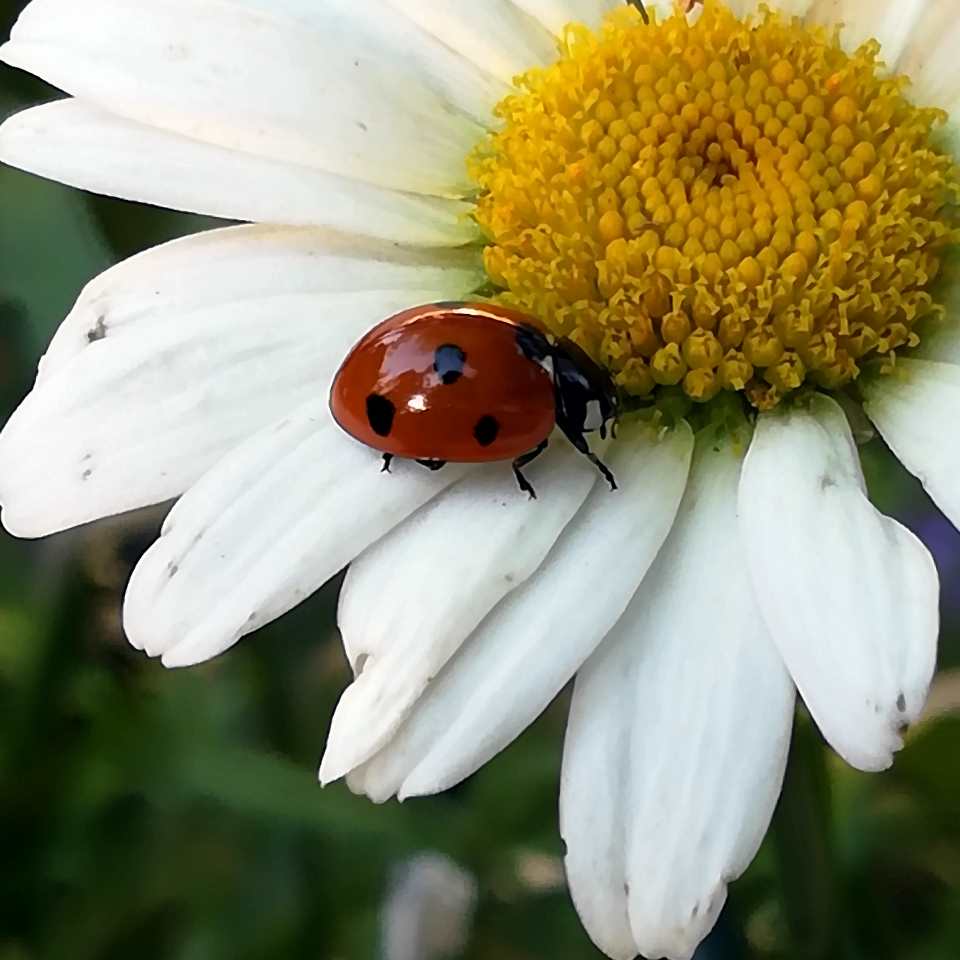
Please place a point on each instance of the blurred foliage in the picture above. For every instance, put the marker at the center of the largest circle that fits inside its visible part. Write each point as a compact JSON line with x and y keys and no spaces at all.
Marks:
{"x":176,"y":816}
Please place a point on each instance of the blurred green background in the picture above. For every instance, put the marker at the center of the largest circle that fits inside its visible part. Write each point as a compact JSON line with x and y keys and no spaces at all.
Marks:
{"x":176,"y":815}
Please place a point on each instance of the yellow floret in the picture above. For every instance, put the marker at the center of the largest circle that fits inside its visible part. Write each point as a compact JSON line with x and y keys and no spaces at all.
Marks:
{"x":734,"y":204}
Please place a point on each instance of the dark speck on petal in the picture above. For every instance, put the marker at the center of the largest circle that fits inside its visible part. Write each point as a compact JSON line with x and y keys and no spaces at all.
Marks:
{"x":97,"y":332}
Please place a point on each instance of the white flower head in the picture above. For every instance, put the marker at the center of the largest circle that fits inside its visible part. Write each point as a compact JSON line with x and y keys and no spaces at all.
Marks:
{"x":745,"y":215}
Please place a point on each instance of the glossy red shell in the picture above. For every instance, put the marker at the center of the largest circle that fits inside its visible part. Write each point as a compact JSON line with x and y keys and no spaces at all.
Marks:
{"x":436,"y":420}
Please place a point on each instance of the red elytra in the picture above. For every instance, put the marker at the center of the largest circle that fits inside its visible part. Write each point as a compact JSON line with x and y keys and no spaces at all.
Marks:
{"x":470,"y":383}
{"x":446,"y":382}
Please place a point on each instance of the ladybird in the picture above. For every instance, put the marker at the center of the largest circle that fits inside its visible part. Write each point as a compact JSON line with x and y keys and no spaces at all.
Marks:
{"x":469,"y":383}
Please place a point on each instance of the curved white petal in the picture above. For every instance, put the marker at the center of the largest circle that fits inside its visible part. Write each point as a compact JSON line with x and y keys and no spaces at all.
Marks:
{"x":353,"y":88}
{"x":81,"y":145}
{"x":134,"y":420}
{"x":849,"y":595}
{"x":677,"y":738}
{"x":412,"y":599}
{"x":153,"y":291}
{"x":521,"y":656}
{"x":556,"y":14}
{"x":495,"y":35}
{"x":265,"y":528}
{"x":889,"y":21}
{"x":929,"y":57}
{"x":915,"y":411}
{"x":170,"y":358}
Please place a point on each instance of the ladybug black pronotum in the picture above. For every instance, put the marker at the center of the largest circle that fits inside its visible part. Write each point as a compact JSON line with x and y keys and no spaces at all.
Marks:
{"x":470,"y":383}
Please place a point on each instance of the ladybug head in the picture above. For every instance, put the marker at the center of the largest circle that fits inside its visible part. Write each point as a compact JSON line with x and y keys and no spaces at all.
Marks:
{"x":586,"y":397}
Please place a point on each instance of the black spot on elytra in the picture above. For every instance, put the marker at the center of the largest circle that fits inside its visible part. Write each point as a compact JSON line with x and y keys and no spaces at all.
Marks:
{"x":486,"y":430}
{"x":380,"y":414}
{"x":448,"y":361}
{"x":902,"y":703}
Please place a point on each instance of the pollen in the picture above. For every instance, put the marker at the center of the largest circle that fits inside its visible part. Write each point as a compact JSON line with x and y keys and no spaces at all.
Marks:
{"x":726,"y":205}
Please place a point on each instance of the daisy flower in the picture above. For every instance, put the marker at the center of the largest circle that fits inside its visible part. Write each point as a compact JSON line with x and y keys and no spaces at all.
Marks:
{"x":745,"y":214}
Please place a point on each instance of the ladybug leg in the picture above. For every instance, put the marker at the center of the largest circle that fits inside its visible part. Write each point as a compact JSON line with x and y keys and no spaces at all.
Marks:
{"x":521,"y":462}
{"x":580,"y":442}
{"x":639,"y":6}
{"x":387,"y":460}
{"x":610,"y":431}
{"x":433,"y":465}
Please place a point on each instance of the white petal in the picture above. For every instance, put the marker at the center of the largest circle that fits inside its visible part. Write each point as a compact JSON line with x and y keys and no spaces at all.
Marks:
{"x":521,"y":656}
{"x":411,"y":600}
{"x":152,"y":291}
{"x":677,"y":738}
{"x":495,"y":35}
{"x":353,"y":88}
{"x":556,"y":14}
{"x":889,"y":21}
{"x":174,"y":356}
{"x":83,"y":146}
{"x":850,"y":596}
{"x":270,"y":524}
{"x":930,"y":57}
{"x":916,"y":413}
{"x":134,"y":420}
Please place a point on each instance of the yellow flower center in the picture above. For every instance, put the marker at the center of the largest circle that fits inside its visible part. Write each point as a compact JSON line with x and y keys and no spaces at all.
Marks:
{"x":724,"y":205}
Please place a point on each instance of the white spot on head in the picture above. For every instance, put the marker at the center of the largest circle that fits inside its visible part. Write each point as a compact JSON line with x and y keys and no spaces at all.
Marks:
{"x":594,"y":417}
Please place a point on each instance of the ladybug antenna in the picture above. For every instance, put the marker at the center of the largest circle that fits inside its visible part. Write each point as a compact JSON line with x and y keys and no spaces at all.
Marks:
{"x":643,"y":12}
